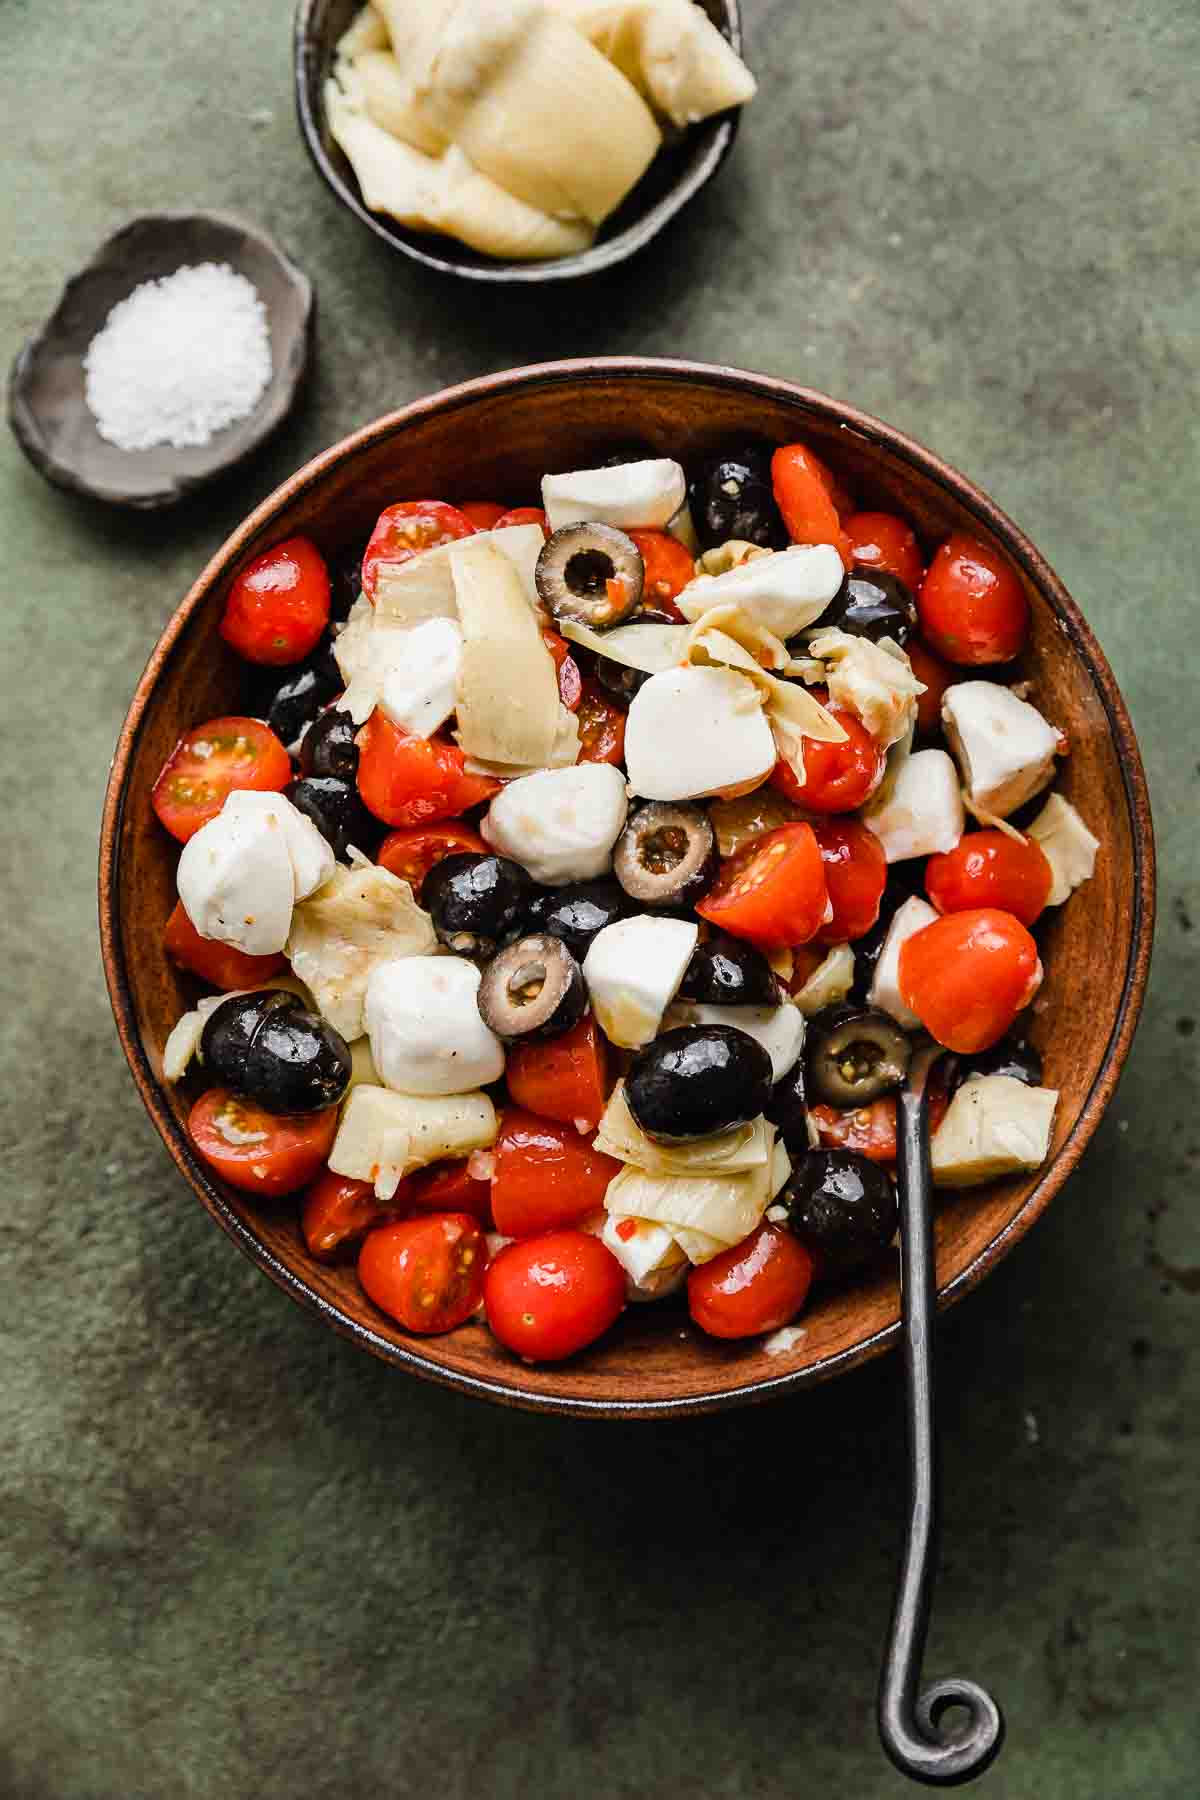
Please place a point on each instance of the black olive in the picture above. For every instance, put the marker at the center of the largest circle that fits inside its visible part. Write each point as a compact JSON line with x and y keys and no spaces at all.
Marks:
{"x":533,"y":989}
{"x":576,"y":914}
{"x":329,"y":747}
{"x":621,"y":683}
{"x":904,"y":881}
{"x":787,"y":1109}
{"x":725,"y":971}
{"x":732,"y":497}
{"x":345,"y":581}
{"x":271,"y":1048}
{"x":337,"y":811}
{"x":305,"y":689}
{"x":872,"y":603}
{"x":842,"y":1207}
{"x":632,"y":452}
{"x":667,"y":855}
{"x":854,"y":1055}
{"x":576,"y":567}
{"x":697,"y":1080}
{"x":476,"y":902}
{"x":1011,"y":1056}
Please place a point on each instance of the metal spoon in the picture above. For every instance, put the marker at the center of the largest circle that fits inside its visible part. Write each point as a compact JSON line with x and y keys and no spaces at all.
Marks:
{"x":910,"y":1718}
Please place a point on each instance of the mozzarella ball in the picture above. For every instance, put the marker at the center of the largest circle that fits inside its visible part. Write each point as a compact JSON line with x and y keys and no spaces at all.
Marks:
{"x":236,"y":883}
{"x":560,"y":824}
{"x":426,"y":1035}
{"x":697,"y":731}
{"x":633,"y":970}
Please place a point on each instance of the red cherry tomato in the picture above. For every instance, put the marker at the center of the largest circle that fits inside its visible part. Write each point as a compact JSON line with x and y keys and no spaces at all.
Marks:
{"x":284,"y":1153}
{"x":336,"y":1212}
{"x":206,"y":766}
{"x":968,"y":975}
{"x":937,"y":677}
{"x":837,"y":777}
{"x":756,"y":1286}
{"x":882,"y":541}
{"x":669,"y":568}
{"x":971,"y":605}
{"x":523,"y":515}
{"x":855,"y":874}
{"x":547,"y":1176}
{"x":413,"y":781}
{"x":564,"y":1078}
{"x":484,"y":515}
{"x":771,"y":892}
{"x":805,"y":495}
{"x":570,"y":681}
{"x":220,"y":965}
{"x":447,"y":1187}
{"x":601,"y":727}
{"x":407,"y":530}
{"x":988,"y":868}
{"x":425,"y":1273}
{"x":411,"y":854}
{"x":871,"y":1130}
{"x":552,"y":1295}
{"x":279,"y":606}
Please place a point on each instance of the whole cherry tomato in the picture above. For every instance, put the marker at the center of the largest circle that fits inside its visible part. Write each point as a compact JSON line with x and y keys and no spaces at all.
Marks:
{"x":261,"y":1152}
{"x":550,"y":1296}
{"x":971,"y":605}
{"x":772,"y":892}
{"x":208,"y":764}
{"x":564,"y":1078}
{"x":601,"y":727}
{"x":278,"y":606}
{"x":220,"y":965}
{"x":937,"y":676}
{"x":523,"y":515}
{"x":855,"y":875}
{"x":484,"y":515}
{"x":988,"y":868}
{"x":546,"y":1175}
{"x":883,"y":541}
{"x":669,"y":568}
{"x":756,"y":1286}
{"x":804,"y":493}
{"x":407,"y":780}
{"x":837,"y":777}
{"x":407,"y":530}
{"x":968,"y":975}
{"x":411,"y":853}
{"x":336,"y":1212}
{"x":425,"y":1273}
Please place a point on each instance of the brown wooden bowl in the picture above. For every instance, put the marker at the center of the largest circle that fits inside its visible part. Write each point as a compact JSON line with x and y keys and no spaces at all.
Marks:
{"x":497,"y":436}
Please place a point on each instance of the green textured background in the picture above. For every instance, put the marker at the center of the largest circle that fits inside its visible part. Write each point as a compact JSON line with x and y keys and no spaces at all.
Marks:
{"x":239,"y":1558}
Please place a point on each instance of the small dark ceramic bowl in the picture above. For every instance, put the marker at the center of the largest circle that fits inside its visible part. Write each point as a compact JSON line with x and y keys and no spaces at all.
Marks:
{"x":47,"y":408}
{"x":497,"y":436}
{"x":676,"y":175}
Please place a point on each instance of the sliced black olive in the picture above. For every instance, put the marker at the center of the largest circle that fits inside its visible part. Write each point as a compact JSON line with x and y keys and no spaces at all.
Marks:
{"x":575,"y":914}
{"x":725,"y":971}
{"x":533,"y":989}
{"x":476,"y":902}
{"x":904,"y":881}
{"x":329,"y":747}
{"x":345,"y":581}
{"x":1011,"y":1056}
{"x":732,"y":497}
{"x":842,"y":1207}
{"x":271,"y":1048}
{"x":336,"y":809}
{"x":787,"y":1109}
{"x":667,"y":855}
{"x":872,"y":603}
{"x":854,"y":1055}
{"x":697,"y":1080}
{"x":305,"y":689}
{"x":619,"y":681}
{"x":576,"y":567}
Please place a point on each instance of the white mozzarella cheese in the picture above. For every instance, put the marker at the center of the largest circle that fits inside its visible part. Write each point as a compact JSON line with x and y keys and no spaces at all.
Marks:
{"x":419,"y":690}
{"x":633,"y":970}
{"x":560,"y":824}
{"x":312,"y":858}
{"x":425,"y":1030}
{"x":995,"y":1125}
{"x":236,"y":883}
{"x":1004,"y":747}
{"x":921,"y":812}
{"x":633,"y":496}
{"x":783,"y":592}
{"x":1068,"y":846}
{"x":779,"y":1029}
{"x":908,"y":919}
{"x":697,"y":731}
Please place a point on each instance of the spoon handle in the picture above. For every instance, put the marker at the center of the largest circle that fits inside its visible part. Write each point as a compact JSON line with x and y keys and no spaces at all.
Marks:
{"x":909,"y":1720}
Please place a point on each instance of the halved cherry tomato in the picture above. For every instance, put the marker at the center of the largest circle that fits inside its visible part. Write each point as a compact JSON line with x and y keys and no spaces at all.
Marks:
{"x":882,"y":541}
{"x":772,"y":892}
{"x":837,"y":777}
{"x":408,"y":780}
{"x":564,"y":1078}
{"x":282,"y":1154}
{"x":756,"y":1286}
{"x":669,"y":568}
{"x":206,"y":766}
{"x":988,"y":868}
{"x":405,"y":530}
{"x":871,"y":1130}
{"x":570,"y":681}
{"x":484,"y":515}
{"x":411,"y":854}
{"x":523,"y":515}
{"x":855,"y":874}
{"x":971,"y":605}
{"x":601,"y":727}
{"x":937,"y":677}
{"x":425,"y":1273}
{"x":547,"y":1176}
{"x":968,"y":975}
{"x":552,"y":1295}
{"x":447,"y":1187}
{"x":336,"y":1212}
{"x":804,"y":494}
{"x":278,"y":606}
{"x":220,"y":965}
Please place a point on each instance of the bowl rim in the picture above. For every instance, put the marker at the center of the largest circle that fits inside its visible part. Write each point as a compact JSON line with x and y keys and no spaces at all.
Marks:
{"x":801,"y":399}
{"x":606,"y":254}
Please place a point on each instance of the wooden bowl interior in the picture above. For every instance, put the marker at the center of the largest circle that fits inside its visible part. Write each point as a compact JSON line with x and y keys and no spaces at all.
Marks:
{"x":497,"y":439}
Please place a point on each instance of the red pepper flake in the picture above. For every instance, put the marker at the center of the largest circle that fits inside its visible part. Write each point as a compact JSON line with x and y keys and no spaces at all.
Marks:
{"x":626,"y":1229}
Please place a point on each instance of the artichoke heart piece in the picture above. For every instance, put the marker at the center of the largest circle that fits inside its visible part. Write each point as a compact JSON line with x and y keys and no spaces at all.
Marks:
{"x":384,"y":1136}
{"x":387,"y":98}
{"x":670,"y":50}
{"x":725,"y":1207}
{"x":423,"y":587}
{"x":732,"y":1152}
{"x":508,"y":705}
{"x":362,"y":917}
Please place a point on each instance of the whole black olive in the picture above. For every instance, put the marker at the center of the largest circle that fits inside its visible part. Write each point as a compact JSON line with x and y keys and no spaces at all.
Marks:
{"x":697,"y":1080}
{"x":621,"y":683}
{"x":345,"y":581}
{"x":787,"y":1109}
{"x":725,"y":971}
{"x":271,"y":1048}
{"x":872,"y":603}
{"x":533,"y":989}
{"x":337,"y":811}
{"x":1011,"y":1056}
{"x":477,"y":902}
{"x":904,"y":881}
{"x":575,"y":914}
{"x":329,"y":747}
{"x":631,"y":452}
{"x":855,"y":1055}
{"x":305,"y":689}
{"x":842,"y":1207}
{"x":667,"y":855}
{"x":732,"y":497}
{"x":592,"y":574}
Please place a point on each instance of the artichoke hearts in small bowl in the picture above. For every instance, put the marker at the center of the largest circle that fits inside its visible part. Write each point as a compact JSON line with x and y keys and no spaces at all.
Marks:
{"x":518,"y":140}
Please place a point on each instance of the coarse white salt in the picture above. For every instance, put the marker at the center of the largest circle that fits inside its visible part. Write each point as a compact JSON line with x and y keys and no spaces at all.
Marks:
{"x":179,"y":359}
